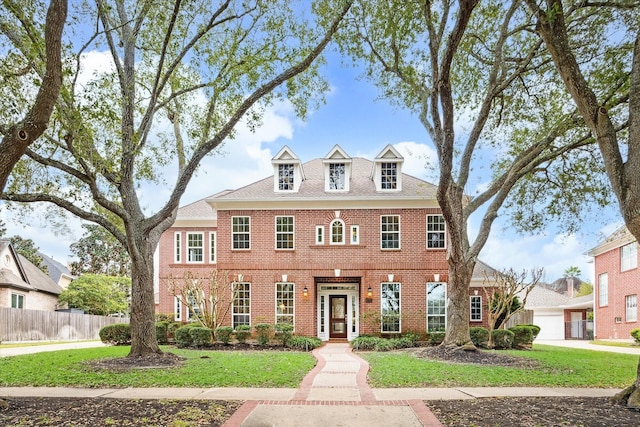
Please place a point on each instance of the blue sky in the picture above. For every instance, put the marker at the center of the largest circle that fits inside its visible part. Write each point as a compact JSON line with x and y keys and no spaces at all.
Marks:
{"x":362,"y":125}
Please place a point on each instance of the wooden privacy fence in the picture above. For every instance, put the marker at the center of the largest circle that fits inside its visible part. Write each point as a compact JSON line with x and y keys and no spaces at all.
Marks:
{"x":18,"y":325}
{"x":525,"y":317}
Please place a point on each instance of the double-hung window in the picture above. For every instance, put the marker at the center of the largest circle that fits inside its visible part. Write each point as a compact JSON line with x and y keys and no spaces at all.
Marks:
{"x":17,"y":301}
{"x":475,"y":308}
{"x":390,"y":232}
{"x":603,"y":289}
{"x":631,"y":304}
{"x":389,"y":176}
{"x":241,"y":307}
{"x":284,"y":232}
{"x":285,"y":303}
{"x":212,"y":247}
{"x":241,"y":232}
{"x":177,"y":247}
{"x":390,"y":307}
{"x":285,"y":177}
{"x":436,"y":235}
{"x":337,"y":172}
{"x":195,"y":247}
{"x":436,"y":307}
{"x":629,"y":256}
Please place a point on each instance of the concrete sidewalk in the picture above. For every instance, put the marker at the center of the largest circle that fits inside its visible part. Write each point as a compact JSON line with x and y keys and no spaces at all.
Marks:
{"x":39,"y":348}
{"x":334,"y":393}
{"x":586,"y":345}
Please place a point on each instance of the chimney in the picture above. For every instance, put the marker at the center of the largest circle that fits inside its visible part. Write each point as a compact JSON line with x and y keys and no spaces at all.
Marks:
{"x":570,"y":287}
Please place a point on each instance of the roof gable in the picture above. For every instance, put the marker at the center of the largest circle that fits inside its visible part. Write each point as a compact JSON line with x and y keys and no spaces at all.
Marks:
{"x":337,"y":153}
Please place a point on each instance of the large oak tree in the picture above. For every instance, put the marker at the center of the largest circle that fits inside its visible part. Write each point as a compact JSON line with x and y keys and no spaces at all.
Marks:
{"x":181,"y":76}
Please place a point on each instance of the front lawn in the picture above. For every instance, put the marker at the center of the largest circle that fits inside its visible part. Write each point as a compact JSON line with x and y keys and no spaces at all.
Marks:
{"x":559,"y":367}
{"x":200,"y":369}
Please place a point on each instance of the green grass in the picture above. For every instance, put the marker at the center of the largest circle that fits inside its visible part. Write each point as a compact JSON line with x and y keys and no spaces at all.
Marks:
{"x":559,"y":367}
{"x":615,"y":343}
{"x":217,"y":369}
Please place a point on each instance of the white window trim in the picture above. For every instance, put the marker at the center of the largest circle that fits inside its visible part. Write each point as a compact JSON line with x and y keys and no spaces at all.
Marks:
{"x":355,"y":228}
{"x":399,"y":308}
{"x":320,"y":229}
{"x":602,"y":276}
{"x":213,"y":243}
{"x":18,"y":295}
{"x":277,"y":178}
{"x":331,"y":242}
{"x":471,"y":298}
{"x":275,"y":225}
{"x":236,"y":232}
{"x":399,"y":233}
{"x":293,"y":291}
{"x":177,"y":309}
{"x":347,"y":175}
{"x":177,"y":247}
{"x":379,"y":173}
{"x":630,"y":261}
{"x":631,"y":310}
{"x":197,"y":233}
{"x":445,"y":304}
{"x":233,"y":313}
{"x":427,"y":233}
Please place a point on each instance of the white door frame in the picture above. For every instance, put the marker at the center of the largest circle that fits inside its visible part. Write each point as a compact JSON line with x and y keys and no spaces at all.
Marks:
{"x":352,"y":291}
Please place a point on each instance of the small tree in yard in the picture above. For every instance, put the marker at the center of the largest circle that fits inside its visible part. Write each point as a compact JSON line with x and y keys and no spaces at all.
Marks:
{"x":207,"y":298}
{"x":503,"y":292}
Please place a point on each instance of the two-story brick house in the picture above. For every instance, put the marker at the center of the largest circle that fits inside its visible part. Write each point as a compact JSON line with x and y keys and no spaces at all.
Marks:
{"x":617,"y":285}
{"x":338,"y":246}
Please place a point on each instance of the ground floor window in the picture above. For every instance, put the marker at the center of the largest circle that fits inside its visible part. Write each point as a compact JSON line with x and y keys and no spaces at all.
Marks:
{"x":241,"y":310}
{"x":17,"y":301}
{"x":436,"y":307}
{"x":284,"y":303}
{"x":390,"y":307}
{"x":631,"y":302}
{"x":475,"y":303}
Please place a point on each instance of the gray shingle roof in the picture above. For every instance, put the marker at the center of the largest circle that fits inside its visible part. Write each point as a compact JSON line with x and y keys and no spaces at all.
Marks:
{"x":38,"y":279}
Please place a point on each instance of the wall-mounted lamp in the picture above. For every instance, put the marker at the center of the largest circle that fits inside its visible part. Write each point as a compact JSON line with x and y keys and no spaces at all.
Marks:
{"x":369,"y":292}
{"x":305,"y":292}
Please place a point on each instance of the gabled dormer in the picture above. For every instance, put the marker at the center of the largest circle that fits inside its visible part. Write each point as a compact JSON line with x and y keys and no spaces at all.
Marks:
{"x":337,"y":170}
{"x":387,"y":170}
{"x":287,"y":171}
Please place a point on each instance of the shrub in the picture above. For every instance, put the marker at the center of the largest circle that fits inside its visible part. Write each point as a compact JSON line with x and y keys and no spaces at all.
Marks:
{"x":364,"y":342}
{"x":116,"y":334}
{"x":263,"y":330}
{"x":182,"y":337}
{"x":223,"y":333}
{"x":635,"y":333}
{"x":201,"y":336}
{"x":502,"y":338}
{"x":162,"y":332}
{"x":164,"y":317}
{"x":436,"y":338}
{"x":535,"y":329}
{"x":402,"y":342}
{"x":243,"y":332}
{"x":522,"y":336}
{"x":304,"y":343}
{"x":383,"y":344}
{"x":413,"y":336}
{"x":479,"y":336}
{"x":284,"y":332}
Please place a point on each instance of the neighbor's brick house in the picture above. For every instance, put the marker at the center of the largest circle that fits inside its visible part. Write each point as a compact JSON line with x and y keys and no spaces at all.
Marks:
{"x":338,"y":246}
{"x":617,"y":285}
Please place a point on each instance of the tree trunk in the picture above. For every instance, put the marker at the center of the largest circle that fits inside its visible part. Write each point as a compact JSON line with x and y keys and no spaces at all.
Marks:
{"x":457,"y":333}
{"x":143,"y":324}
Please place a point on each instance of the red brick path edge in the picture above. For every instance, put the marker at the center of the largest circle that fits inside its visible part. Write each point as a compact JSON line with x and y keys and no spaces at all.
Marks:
{"x":367,"y":397}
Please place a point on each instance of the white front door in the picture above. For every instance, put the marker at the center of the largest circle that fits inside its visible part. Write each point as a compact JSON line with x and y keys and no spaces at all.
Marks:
{"x":338,"y":310}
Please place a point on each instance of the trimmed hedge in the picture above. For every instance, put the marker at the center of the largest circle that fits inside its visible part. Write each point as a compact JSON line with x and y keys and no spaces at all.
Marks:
{"x":116,"y":334}
{"x":436,"y":338}
{"x":522,"y":336}
{"x":182,"y":337}
{"x":635,"y":333}
{"x":304,"y":343}
{"x":284,"y":332}
{"x":536,"y":330}
{"x":243,"y":332}
{"x":162,"y":332}
{"x":201,"y":336}
{"x":479,"y":336}
{"x":264,"y":332}
{"x":223,"y":334}
{"x":502,"y":338}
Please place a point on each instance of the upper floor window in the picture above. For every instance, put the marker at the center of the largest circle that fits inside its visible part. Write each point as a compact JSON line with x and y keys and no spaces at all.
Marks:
{"x":390,"y":307}
{"x":337,"y":176}
{"x":603,"y":289}
{"x":475,"y":306}
{"x":195,"y":247}
{"x":337,"y":232}
{"x":319,"y":234}
{"x":629,"y":256}
{"x":17,"y":301}
{"x":284,"y":232}
{"x":388,"y":176}
{"x":177,"y":254}
{"x":390,"y":232}
{"x":241,"y":232}
{"x":436,"y":235}
{"x":285,"y":177}
{"x":212,"y":247}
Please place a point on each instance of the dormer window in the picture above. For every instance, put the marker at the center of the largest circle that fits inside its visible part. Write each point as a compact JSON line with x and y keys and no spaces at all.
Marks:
{"x":337,"y":170}
{"x":287,"y":171}
{"x":336,"y":176}
{"x":387,"y":170}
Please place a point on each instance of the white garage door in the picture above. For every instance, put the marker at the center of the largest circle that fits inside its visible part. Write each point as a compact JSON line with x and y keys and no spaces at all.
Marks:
{"x":551,"y":325}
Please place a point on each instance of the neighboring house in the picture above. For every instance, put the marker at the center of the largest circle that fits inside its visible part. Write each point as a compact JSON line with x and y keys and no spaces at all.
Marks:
{"x":22,"y":284}
{"x":337,"y":246}
{"x":559,"y":316}
{"x":617,"y":285}
{"x":58,"y":272}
